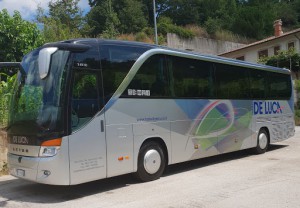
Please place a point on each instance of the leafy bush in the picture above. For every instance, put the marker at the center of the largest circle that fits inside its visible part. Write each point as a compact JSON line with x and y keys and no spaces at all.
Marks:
{"x":162,"y":40}
{"x":297,"y":85}
{"x":297,"y":117}
{"x":212,"y":25}
{"x":289,"y":59}
{"x":5,"y":95}
{"x":149,"y":31}
{"x":197,"y":30}
{"x":141,"y":36}
{"x":165,"y":25}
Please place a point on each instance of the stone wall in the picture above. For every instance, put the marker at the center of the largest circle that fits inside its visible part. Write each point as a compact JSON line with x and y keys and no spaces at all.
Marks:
{"x":201,"y":45}
{"x":3,"y":148}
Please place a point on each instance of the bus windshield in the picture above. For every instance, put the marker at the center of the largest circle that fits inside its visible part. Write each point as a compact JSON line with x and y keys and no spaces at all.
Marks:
{"x":36,"y":107}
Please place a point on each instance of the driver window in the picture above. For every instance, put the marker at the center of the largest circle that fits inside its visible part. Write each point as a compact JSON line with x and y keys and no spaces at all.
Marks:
{"x":85,"y":98}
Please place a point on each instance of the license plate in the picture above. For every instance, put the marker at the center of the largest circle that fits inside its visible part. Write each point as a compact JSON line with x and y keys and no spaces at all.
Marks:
{"x":20,"y":172}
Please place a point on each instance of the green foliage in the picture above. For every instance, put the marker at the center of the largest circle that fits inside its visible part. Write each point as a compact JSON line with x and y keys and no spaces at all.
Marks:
{"x":17,"y":37}
{"x":82,"y":83}
{"x":285,"y":59}
{"x":165,"y":25}
{"x":140,"y":36}
{"x":64,"y":20}
{"x":212,"y":25}
{"x":297,"y":85}
{"x":297,"y":117}
{"x":255,"y":21}
{"x":131,"y":16}
{"x":110,"y":17}
{"x":67,"y":12}
{"x":103,"y":20}
{"x":297,"y":113}
{"x":6,"y":90}
{"x":149,"y":31}
{"x":162,"y":40}
{"x":31,"y":100}
{"x":54,"y":31}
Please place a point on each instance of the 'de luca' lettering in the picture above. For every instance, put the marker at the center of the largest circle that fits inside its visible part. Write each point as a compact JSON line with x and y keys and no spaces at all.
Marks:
{"x":266,"y":107}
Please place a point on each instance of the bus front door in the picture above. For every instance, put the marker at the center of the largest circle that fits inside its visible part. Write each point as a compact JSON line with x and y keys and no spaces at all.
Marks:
{"x":87,"y":145}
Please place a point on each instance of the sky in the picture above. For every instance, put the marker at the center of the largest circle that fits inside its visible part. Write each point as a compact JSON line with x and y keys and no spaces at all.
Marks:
{"x":27,"y":8}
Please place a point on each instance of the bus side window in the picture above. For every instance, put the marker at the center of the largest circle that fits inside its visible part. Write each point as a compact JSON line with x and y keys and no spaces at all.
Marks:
{"x":259,"y":84}
{"x":150,"y":80}
{"x":116,"y":61}
{"x":85,"y":98}
{"x":190,"y":78}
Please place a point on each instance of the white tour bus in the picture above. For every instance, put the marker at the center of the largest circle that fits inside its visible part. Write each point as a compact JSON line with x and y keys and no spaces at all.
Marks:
{"x":88,"y":109}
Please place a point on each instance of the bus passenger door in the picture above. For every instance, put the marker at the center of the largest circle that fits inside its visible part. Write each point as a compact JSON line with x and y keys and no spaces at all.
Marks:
{"x":87,"y":145}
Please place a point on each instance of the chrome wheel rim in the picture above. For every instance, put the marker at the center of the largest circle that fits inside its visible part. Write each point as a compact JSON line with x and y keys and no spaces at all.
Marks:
{"x":152,"y":161}
{"x":262,"y":141}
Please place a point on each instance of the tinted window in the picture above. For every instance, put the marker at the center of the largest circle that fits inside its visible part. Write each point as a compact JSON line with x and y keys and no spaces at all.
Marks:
{"x":280,"y":86}
{"x":191,"y":78}
{"x":116,"y":61}
{"x":232,"y":82}
{"x":85,"y":97}
{"x":150,"y":80}
{"x":88,"y":59}
{"x":259,"y":84}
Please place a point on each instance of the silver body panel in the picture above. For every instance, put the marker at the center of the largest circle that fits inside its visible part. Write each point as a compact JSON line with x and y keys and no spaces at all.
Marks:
{"x":190,"y":129}
{"x":87,"y":149}
{"x":34,"y":167}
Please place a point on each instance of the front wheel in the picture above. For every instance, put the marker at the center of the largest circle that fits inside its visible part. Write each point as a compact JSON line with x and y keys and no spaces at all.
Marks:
{"x":262,"y":142}
{"x":151,"y":162}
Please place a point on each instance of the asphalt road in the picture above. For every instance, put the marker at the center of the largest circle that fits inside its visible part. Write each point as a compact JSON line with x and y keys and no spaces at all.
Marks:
{"x":232,"y":180}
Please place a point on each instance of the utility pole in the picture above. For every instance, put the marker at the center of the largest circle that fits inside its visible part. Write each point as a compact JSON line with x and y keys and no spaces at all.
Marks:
{"x":155,"y":26}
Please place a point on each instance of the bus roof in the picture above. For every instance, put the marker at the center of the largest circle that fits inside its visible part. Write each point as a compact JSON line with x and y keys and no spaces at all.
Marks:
{"x":212,"y":58}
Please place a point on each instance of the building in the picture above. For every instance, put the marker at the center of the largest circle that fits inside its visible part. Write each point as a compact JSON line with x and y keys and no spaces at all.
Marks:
{"x":267,"y":47}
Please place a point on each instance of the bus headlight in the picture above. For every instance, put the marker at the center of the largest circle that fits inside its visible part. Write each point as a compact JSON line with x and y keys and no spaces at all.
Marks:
{"x":48,"y":151}
{"x":50,"y":148}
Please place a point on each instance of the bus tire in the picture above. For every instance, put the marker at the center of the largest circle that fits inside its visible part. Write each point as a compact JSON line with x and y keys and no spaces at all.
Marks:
{"x":262,"y":142}
{"x":151,"y":162}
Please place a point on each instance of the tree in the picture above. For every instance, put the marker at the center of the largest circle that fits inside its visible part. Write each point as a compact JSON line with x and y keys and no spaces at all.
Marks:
{"x":64,"y":20}
{"x":131,"y":16}
{"x":67,"y":12}
{"x":17,"y":37}
{"x":124,"y":16}
{"x":255,"y":21}
{"x":102,"y":19}
{"x":180,"y":11}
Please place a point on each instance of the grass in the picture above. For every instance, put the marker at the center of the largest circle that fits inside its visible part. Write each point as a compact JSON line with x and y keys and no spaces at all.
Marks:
{"x":141,"y":37}
{"x":229,"y":36}
{"x":198,"y":31}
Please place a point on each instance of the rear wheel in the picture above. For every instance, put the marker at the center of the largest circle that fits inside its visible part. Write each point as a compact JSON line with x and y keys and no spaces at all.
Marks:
{"x":262,"y":142}
{"x":151,"y":162}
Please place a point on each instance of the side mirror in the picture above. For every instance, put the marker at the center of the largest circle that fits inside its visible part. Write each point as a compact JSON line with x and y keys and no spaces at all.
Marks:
{"x":45,"y":60}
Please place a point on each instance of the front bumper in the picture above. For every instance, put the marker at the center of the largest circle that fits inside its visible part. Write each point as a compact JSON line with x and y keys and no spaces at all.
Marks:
{"x":49,"y":170}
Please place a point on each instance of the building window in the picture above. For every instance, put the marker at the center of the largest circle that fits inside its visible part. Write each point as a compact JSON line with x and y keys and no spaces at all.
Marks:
{"x":241,"y":58}
{"x":276,"y":50}
{"x":263,"y":53}
{"x":291,"y":45}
